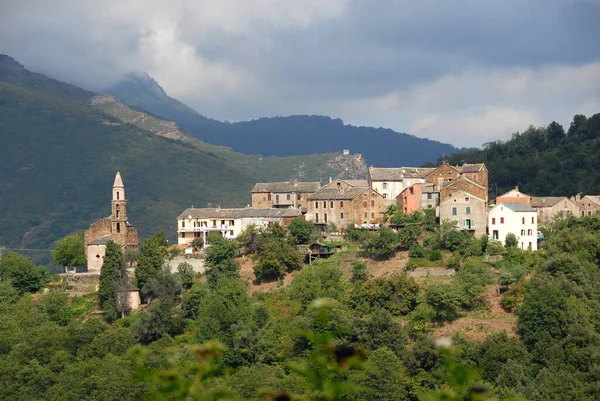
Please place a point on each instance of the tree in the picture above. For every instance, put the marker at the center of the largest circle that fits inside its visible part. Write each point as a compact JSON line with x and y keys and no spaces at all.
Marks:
{"x":317,"y":281}
{"x":277,"y":255}
{"x":186,"y":274}
{"x":70,"y":251}
{"x":383,"y":245}
{"x":219,"y":258}
{"x":22,"y":273}
{"x":383,"y":380}
{"x":198,"y":243}
{"x":111,"y":266}
{"x":151,"y":258}
{"x":510,"y":241}
{"x":444,"y":300}
{"x":301,"y":230}
{"x":360,"y":273}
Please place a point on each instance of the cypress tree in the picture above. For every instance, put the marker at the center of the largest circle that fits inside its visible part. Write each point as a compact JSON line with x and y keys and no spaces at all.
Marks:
{"x":151,"y":258}
{"x":113,"y":265}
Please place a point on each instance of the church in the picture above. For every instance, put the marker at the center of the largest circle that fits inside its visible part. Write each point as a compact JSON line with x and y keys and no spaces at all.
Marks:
{"x":115,"y":228}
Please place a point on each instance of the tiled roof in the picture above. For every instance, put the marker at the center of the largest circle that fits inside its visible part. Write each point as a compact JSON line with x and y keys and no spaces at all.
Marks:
{"x":470,"y":168}
{"x":357,"y":183}
{"x":517,"y":206}
{"x":100,"y":241}
{"x":246,"y":212}
{"x":546,"y":201}
{"x":336,"y":194}
{"x":459,"y":179}
{"x":287,"y":186}
{"x":593,"y":198}
{"x":398,"y":173}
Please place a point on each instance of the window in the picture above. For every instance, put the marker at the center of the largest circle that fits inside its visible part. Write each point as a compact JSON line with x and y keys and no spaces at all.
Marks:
{"x":468,"y":210}
{"x":331,"y":205}
{"x":529,"y":232}
{"x":429,"y":206}
{"x":384,"y":195}
{"x":582,"y":214}
{"x":182,"y":235}
{"x":411,"y":190}
{"x":405,"y":198}
{"x":532,"y":220}
{"x":182,"y":223}
{"x":341,"y":203}
{"x":493,"y":220}
{"x":474,"y":176}
{"x":269,"y":196}
{"x":118,"y":209}
{"x":316,"y":217}
{"x":316,"y":205}
{"x":342,"y":215}
{"x":231,"y":222}
{"x":384,"y":185}
{"x":523,"y":220}
{"x":589,"y":212}
{"x":325,"y":218}
{"x":276,"y":198}
{"x":118,"y":227}
{"x":365,"y":215}
{"x":522,"y":232}
{"x":372,"y":215}
{"x":467,"y":199}
{"x":501,"y":220}
{"x":299,"y":196}
{"x":118,"y":194}
{"x":454,"y":211}
{"x":428,"y":196}
{"x":324,"y":205}
{"x":372,"y":203}
{"x":231,"y":232}
{"x":197,"y":234}
{"x":364,"y":203}
{"x":288,"y":196}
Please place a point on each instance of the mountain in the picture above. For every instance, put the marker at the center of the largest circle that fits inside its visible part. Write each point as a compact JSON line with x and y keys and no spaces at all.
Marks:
{"x":543,"y":161}
{"x":61,"y":146}
{"x":281,"y":136}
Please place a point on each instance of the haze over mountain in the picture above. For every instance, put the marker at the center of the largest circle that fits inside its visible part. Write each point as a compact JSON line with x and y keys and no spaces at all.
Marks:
{"x":281,"y":136}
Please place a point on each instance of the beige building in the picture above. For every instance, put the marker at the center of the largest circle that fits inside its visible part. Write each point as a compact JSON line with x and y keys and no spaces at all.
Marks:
{"x":589,"y":205}
{"x":341,"y":205}
{"x":469,"y":212}
{"x":446,"y":173}
{"x":390,"y":182}
{"x":283,"y":195}
{"x":514,"y":195}
{"x":550,"y":206}
{"x":115,"y":227}
{"x":229,"y":223}
{"x":517,"y":218}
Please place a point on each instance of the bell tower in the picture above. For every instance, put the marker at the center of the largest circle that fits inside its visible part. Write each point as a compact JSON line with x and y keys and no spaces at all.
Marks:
{"x":118,"y":216}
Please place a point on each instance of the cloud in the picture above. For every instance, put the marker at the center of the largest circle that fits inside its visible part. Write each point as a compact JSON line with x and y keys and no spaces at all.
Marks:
{"x":463,"y":71}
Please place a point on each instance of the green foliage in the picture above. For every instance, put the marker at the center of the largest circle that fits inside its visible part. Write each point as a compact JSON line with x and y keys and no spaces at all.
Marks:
{"x":444,"y":299}
{"x":383,"y":379}
{"x":56,"y":304}
{"x":471,"y":280}
{"x":416,"y":251}
{"x":163,"y":286}
{"x":198,"y":243}
{"x":357,"y":235}
{"x":383,"y":245}
{"x":277,"y":255}
{"x":186,"y":275}
{"x":249,"y":239}
{"x":22,"y":273}
{"x":317,"y":281}
{"x":219,"y":258}
{"x":408,"y":236}
{"x":511,"y":273}
{"x":396,"y":294}
{"x":70,"y":251}
{"x":435,"y":255}
{"x":151,"y":258}
{"x":421,"y":317}
{"x":192,"y":300}
{"x":359,"y":271}
{"x":301,"y":230}
{"x":510,"y":241}
{"x":112,"y":265}
{"x":379,"y":330}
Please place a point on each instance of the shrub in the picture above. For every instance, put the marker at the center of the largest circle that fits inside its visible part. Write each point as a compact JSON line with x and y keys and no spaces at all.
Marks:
{"x":397,"y":294}
{"x":472,"y":278}
{"x":444,"y":300}
{"x":301,"y":230}
{"x":359,"y":271}
{"x":417,"y":251}
{"x":186,"y":274}
{"x":510,"y":241}
{"x":383,"y":245}
{"x":421,"y":317}
{"x":513,"y":298}
{"x":435,"y":255}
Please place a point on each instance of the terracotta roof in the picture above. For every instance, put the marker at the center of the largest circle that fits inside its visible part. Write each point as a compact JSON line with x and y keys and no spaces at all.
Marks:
{"x":517,"y":206}
{"x":547,"y":201}
{"x":287,"y":186}
{"x":470,"y":168}
{"x":336,"y":194}
{"x":246,"y":212}
{"x":398,"y":173}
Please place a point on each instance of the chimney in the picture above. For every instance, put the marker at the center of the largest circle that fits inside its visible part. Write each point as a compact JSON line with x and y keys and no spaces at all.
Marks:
{"x":517,"y":188}
{"x":578,"y":197}
{"x":330,"y":180}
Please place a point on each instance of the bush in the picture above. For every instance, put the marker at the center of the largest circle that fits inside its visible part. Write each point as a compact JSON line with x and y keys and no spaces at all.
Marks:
{"x":444,"y":300}
{"x":435,"y":255}
{"x":22,"y":273}
{"x":321,"y":280}
{"x":397,"y":294}
{"x":417,"y":251}
{"x":186,"y":274}
{"x":511,"y":241}
{"x":301,"y":230}
{"x":383,"y":245}
{"x":513,"y":298}
{"x":359,"y":271}
{"x":421,"y":317}
{"x":472,"y":278}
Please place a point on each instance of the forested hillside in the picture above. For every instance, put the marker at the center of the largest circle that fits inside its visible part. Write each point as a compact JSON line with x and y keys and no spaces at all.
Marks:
{"x":282,"y":136}
{"x":544,"y":161}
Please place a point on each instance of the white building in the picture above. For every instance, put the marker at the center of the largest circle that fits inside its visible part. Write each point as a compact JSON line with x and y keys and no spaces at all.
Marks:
{"x":514,"y":217}
{"x":389,"y":182}
{"x":199,"y":222}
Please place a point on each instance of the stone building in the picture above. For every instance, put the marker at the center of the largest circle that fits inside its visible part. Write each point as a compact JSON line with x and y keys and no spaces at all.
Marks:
{"x":446,"y":173}
{"x":283,"y":195}
{"x":550,"y":206}
{"x":463,"y":184}
{"x":468,"y":211}
{"x":589,"y":205}
{"x":341,"y":206}
{"x":115,"y":227}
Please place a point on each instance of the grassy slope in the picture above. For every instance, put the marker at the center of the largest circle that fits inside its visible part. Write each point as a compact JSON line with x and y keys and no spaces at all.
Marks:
{"x":59,"y":157}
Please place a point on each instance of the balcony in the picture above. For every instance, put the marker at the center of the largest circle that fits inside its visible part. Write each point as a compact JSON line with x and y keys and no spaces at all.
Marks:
{"x":206,"y":228}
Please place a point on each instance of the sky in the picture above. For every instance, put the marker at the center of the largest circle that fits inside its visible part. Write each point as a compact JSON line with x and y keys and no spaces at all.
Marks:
{"x":464,"y":72}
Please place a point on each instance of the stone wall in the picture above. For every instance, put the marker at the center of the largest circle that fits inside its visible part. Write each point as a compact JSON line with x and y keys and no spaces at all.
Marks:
{"x":462,"y":185}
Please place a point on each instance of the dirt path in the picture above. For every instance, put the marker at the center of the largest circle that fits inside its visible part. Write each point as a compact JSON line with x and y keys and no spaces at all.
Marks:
{"x":479,"y":324}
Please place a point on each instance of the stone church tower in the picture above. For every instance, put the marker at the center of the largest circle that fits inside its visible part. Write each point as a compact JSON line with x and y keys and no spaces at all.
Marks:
{"x":116,"y":227}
